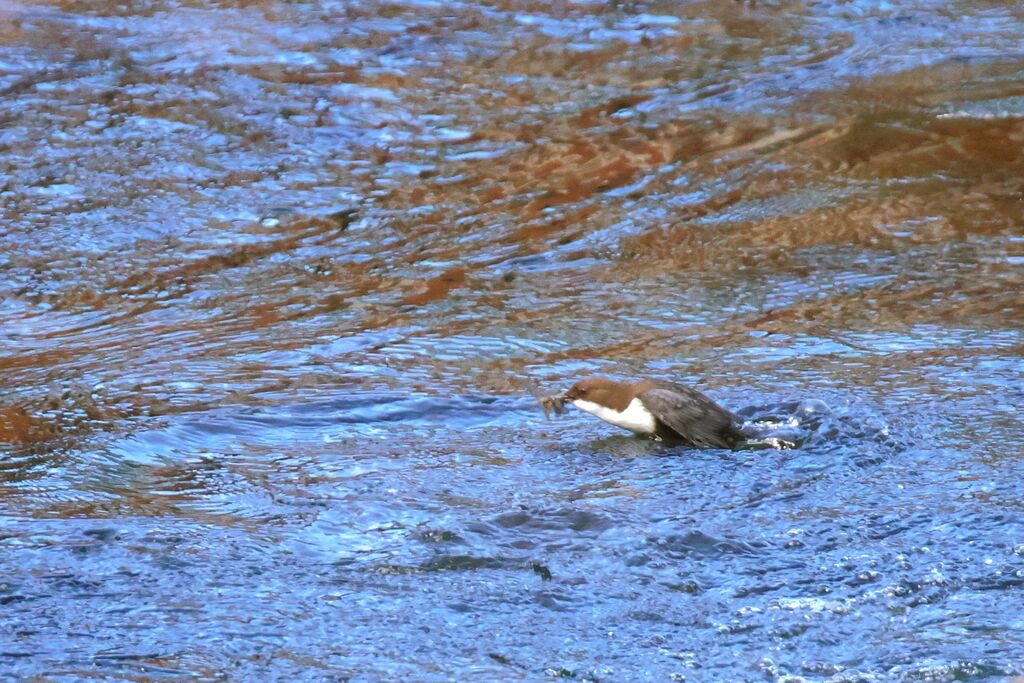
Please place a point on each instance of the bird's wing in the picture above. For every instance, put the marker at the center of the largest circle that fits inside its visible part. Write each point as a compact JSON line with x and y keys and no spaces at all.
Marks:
{"x":692,"y":415}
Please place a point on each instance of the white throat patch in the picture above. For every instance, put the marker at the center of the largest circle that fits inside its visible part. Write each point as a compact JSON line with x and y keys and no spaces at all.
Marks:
{"x":635,"y":417}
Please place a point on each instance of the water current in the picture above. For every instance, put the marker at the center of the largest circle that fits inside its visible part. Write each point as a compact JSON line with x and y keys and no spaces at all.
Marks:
{"x":280,"y":282}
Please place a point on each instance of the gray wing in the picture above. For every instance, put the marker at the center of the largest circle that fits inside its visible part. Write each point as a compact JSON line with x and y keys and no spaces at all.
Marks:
{"x":692,"y":416}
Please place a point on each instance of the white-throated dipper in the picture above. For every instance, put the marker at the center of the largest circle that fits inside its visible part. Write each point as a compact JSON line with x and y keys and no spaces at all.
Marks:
{"x":655,"y":408}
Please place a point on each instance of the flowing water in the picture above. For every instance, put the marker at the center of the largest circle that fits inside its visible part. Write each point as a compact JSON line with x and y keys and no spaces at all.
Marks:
{"x":281,"y":280}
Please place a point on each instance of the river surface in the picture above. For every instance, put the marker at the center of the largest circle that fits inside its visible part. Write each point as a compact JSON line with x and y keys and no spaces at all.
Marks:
{"x":280,"y":283}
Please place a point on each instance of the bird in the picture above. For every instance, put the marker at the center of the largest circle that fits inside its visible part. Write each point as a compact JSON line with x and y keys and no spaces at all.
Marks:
{"x":655,"y":408}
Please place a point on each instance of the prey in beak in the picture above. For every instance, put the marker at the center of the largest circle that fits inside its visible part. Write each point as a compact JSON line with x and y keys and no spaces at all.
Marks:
{"x":553,"y":404}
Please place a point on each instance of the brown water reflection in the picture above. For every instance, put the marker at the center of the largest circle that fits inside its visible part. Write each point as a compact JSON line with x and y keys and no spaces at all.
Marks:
{"x":280,"y":280}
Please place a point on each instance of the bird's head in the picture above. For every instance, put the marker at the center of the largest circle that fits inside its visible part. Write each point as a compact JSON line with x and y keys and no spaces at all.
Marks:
{"x":600,"y":390}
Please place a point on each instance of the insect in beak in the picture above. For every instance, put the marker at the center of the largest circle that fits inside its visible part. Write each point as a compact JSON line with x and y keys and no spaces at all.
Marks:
{"x":553,"y":404}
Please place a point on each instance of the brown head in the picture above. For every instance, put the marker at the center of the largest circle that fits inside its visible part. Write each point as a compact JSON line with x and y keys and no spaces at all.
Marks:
{"x":604,"y":391}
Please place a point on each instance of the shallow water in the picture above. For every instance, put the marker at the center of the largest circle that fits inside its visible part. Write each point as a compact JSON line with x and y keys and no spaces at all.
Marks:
{"x":280,"y":282}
